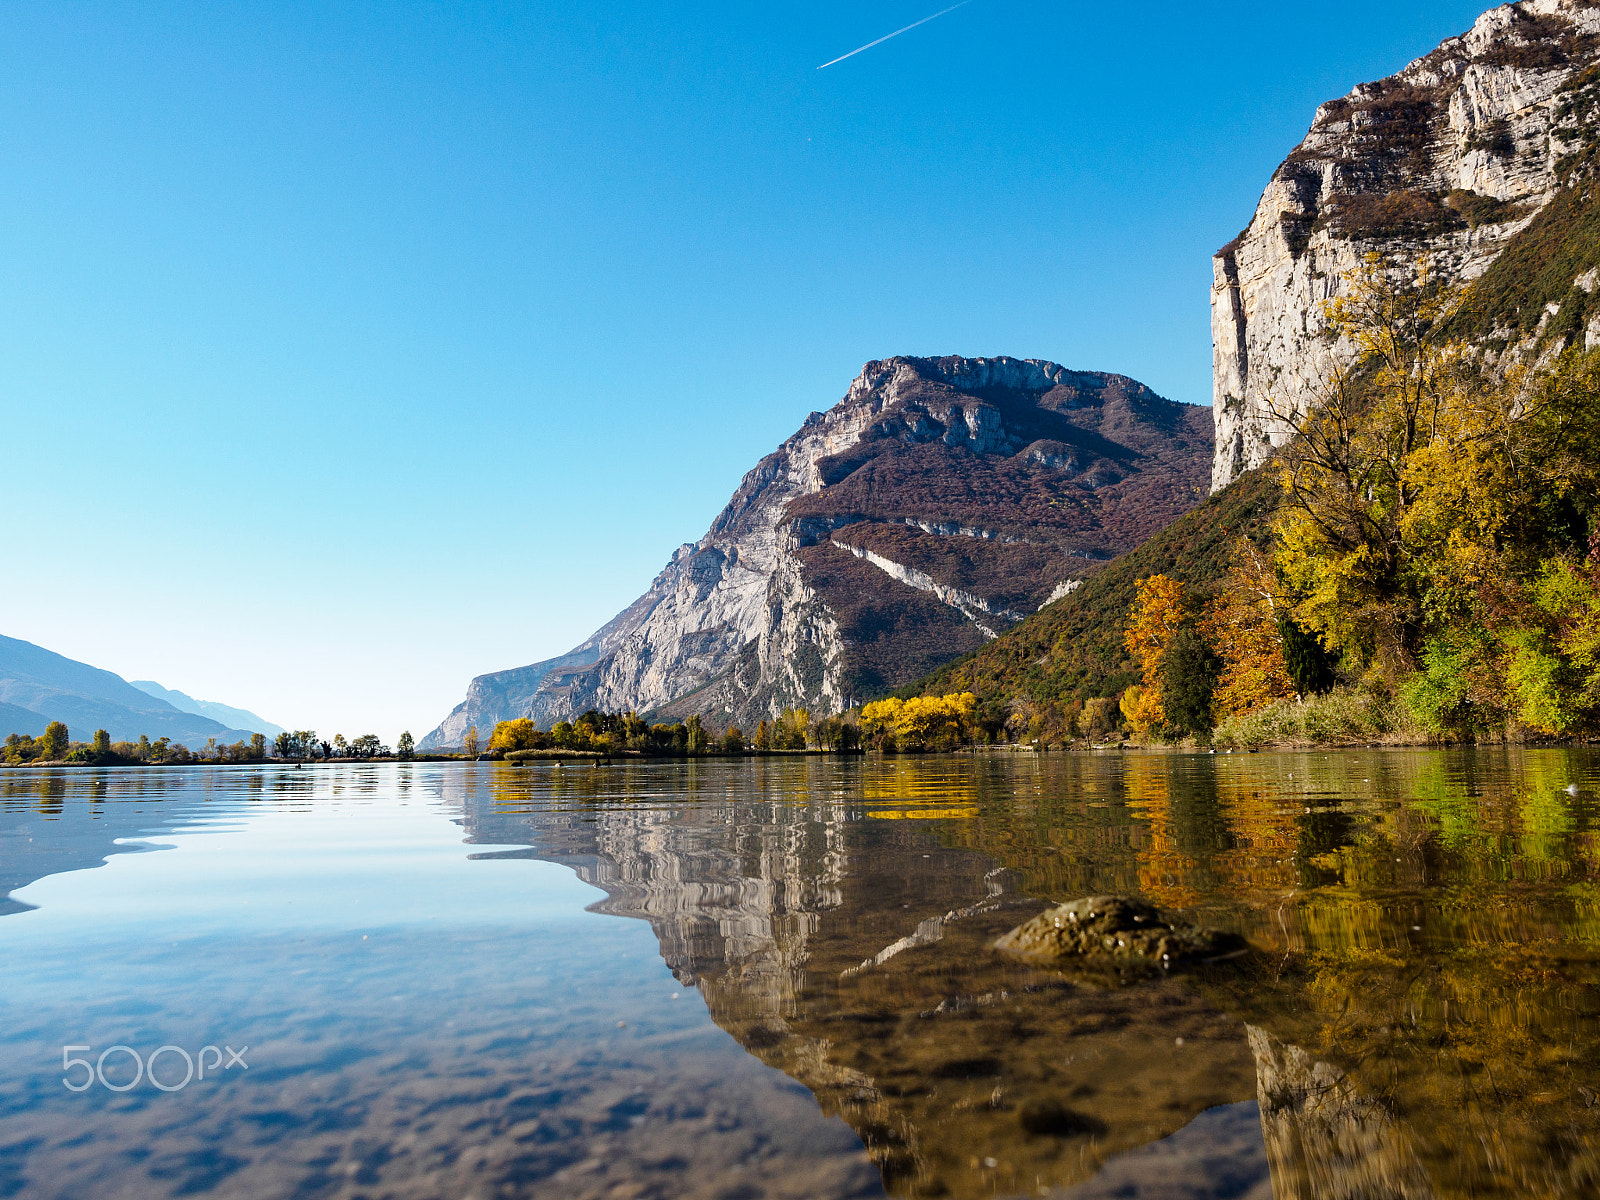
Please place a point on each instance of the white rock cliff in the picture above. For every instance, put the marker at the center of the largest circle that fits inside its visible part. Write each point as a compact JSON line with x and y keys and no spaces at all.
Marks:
{"x":1450,"y":159}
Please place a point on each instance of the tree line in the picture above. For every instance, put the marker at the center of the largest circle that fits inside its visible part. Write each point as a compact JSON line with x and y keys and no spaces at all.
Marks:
{"x":304,"y":745}
{"x":921,"y":723}
{"x":56,"y":745}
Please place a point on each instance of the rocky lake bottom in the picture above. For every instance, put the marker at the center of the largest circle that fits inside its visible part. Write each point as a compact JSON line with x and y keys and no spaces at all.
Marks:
{"x":777,"y":977}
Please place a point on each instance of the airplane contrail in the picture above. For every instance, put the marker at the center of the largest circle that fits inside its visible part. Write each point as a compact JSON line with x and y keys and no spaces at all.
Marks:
{"x":895,"y":34}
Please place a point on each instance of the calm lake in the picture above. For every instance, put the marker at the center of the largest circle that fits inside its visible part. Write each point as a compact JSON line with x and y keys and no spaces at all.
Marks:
{"x":774,"y":978}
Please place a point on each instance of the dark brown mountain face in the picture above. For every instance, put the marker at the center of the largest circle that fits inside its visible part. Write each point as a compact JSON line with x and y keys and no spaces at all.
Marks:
{"x":1089,"y":465}
{"x":934,"y":507}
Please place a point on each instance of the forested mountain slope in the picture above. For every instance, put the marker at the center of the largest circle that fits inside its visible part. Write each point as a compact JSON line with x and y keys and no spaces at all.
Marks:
{"x":1073,"y":650}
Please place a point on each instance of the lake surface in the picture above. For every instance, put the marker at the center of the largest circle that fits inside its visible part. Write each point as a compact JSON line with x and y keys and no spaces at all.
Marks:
{"x":773,"y":978}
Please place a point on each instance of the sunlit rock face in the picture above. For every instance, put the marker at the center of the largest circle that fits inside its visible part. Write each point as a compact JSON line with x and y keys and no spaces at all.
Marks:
{"x":1448,"y":160}
{"x":940,"y":501}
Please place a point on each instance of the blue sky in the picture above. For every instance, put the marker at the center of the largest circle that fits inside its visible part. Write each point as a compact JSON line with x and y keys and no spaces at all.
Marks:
{"x":353,"y":350}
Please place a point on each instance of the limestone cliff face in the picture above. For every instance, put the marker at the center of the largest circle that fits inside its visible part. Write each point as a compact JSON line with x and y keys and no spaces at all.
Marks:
{"x":1452,"y":158}
{"x":935,"y":505}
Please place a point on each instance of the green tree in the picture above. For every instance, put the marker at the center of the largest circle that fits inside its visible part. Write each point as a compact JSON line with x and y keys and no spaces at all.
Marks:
{"x":101,"y":745}
{"x":829,"y":731}
{"x":1310,"y":667}
{"x":406,"y":746}
{"x":792,"y":729}
{"x":258,"y":746}
{"x":697,"y":735}
{"x":1189,"y":672}
{"x":55,"y":741}
{"x":634,"y":730}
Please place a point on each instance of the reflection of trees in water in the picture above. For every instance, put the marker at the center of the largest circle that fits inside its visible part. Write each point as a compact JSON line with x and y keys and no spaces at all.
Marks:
{"x":961,"y":1070}
{"x":1464,"y":1049}
{"x":1439,"y":917}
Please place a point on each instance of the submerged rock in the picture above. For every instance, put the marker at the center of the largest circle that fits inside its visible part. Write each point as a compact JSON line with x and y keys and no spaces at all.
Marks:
{"x":1117,"y":928}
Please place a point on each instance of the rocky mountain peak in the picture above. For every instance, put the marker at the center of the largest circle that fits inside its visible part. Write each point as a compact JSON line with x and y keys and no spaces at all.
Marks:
{"x":936,"y":504}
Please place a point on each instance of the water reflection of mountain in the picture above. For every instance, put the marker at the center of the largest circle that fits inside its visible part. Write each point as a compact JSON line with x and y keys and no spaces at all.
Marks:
{"x":1425,"y":1024}
{"x":797,"y":919}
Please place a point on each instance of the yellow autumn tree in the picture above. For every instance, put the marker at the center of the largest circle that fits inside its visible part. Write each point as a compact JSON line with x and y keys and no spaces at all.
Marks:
{"x":513,"y":735}
{"x":922,"y":722}
{"x":1348,"y":489}
{"x":1242,"y":625}
{"x":1156,"y":615}
{"x":1437,"y":516}
{"x":1141,"y":706}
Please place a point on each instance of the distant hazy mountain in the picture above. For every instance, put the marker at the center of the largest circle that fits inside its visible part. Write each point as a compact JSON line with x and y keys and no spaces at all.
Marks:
{"x":38,"y":685}
{"x":21,"y":720}
{"x":238,"y":718}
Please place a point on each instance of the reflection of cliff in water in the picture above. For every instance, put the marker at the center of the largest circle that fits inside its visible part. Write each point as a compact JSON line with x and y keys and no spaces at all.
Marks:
{"x":851,"y":951}
{"x":1425,"y":1019}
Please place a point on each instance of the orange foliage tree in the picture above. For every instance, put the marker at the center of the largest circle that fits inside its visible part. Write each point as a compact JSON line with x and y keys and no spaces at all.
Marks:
{"x":1241,"y":623}
{"x":1157,"y":614}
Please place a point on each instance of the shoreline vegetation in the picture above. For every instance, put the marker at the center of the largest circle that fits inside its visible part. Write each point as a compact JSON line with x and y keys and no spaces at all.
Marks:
{"x":1335,"y":721}
{"x":55,"y":748}
{"x":1431,"y":574}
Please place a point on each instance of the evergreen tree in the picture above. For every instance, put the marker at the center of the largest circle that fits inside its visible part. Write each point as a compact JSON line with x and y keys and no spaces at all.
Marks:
{"x":1189,"y":672}
{"x":1310,"y":667}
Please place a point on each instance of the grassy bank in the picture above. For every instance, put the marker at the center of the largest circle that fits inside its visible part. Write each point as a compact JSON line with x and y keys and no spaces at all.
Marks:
{"x":1346,"y":716}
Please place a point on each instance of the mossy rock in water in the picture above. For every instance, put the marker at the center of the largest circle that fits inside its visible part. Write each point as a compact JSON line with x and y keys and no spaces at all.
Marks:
{"x":1116,"y":929}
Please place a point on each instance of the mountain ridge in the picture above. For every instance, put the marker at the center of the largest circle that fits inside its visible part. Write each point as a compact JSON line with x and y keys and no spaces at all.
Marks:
{"x":224,"y":714}
{"x":829,"y":574}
